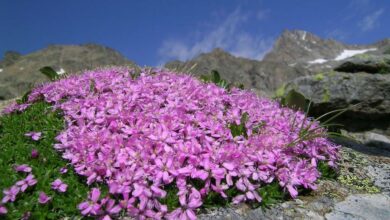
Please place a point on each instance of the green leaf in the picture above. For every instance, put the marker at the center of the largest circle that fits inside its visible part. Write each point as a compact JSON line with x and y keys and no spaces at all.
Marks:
{"x":244,"y":118}
{"x":25,"y":96}
{"x":92,"y":87}
{"x":215,"y":77}
{"x":295,"y":100}
{"x":49,"y":72}
{"x":240,"y":86}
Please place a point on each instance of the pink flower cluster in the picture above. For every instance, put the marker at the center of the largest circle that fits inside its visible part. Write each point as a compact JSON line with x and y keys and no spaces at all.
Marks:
{"x":9,"y":195}
{"x":139,"y":135}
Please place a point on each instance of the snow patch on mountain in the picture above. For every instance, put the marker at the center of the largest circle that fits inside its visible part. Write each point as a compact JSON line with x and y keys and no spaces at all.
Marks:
{"x":1,"y":70}
{"x":318,"y":61}
{"x":350,"y":53}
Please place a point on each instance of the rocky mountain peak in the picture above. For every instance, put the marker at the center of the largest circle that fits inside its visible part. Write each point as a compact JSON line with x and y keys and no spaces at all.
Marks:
{"x":10,"y":57}
{"x":21,"y":72}
{"x":299,"y":46}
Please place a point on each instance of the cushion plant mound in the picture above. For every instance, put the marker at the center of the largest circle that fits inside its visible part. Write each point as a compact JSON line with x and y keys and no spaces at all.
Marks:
{"x":160,"y":135}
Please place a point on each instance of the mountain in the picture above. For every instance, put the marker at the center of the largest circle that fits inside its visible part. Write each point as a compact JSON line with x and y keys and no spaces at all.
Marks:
{"x":295,"y":53}
{"x":18,"y":73}
{"x":257,"y":75}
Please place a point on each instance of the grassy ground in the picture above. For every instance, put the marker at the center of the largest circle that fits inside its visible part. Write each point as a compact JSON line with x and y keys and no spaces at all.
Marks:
{"x":15,"y":148}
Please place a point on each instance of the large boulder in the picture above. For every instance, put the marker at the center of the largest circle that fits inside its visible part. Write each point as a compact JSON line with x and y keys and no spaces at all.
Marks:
{"x":366,"y":95}
{"x":366,"y":63}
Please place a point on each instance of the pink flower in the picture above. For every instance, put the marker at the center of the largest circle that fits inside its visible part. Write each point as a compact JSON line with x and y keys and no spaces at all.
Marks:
{"x":34,"y":135}
{"x":10,"y":194}
{"x":91,"y":207}
{"x":34,"y":153}
{"x":110,"y":207}
{"x":43,"y":198}
{"x":59,"y":185}
{"x":28,"y":181}
{"x":3,"y":210}
{"x":189,"y":204}
{"x":23,"y":168}
{"x":63,"y":170}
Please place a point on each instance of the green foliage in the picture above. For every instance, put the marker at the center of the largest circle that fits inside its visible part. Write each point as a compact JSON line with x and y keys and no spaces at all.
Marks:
{"x":214,"y":199}
{"x":280,"y":91}
{"x":24,"y":98}
{"x":326,"y":171}
{"x":326,"y":96}
{"x":271,"y":194}
{"x":49,"y":72}
{"x":257,"y":128}
{"x":16,"y":148}
{"x":359,"y":184}
{"x":319,"y":76}
{"x":92,"y":86}
{"x":171,"y":199}
{"x":216,"y":78}
{"x":294,"y":100}
{"x":240,"y":129}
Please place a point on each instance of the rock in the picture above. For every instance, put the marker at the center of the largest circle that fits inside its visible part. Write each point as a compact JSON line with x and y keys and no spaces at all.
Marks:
{"x":20,"y":73}
{"x":366,"y":63}
{"x":10,"y":57}
{"x":370,"y":138}
{"x":299,"y":46}
{"x":335,"y":90}
{"x":362,"y":206}
{"x":262,"y":76}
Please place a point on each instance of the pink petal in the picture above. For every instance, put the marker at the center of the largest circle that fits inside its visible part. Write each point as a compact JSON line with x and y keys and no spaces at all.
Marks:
{"x":95,"y":194}
{"x":3,"y":210}
{"x":238,"y":199}
{"x":23,"y":187}
{"x":115,"y":210}
{"x":6,"y":199}
{"x":43,"y":198}
{"x":106,"y":217}
{"x":191,"y":215}
{"x":229,"y":166}
{"x":293,"y":192}
{"x":63,"y":187}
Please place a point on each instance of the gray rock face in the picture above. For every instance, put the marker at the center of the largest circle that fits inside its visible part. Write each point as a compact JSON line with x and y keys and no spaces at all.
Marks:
{"x":363,"y":206}
{"x":299,"y":46}
{"x":336,"y":90}
{"x":366,"y":63}
{"x":19,"y":73}
{"x":251,"y":73}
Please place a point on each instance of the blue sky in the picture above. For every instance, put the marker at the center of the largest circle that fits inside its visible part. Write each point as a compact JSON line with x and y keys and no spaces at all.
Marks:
{"x":151,"y":32}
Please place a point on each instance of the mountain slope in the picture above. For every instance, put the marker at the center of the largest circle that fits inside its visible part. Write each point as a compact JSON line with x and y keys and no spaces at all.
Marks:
{"x":251,"y":73}
{"x":18,"y":73}
{"x":295,"y":53}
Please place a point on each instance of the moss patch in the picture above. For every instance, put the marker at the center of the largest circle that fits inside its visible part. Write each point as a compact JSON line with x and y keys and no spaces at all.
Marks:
{"x":326,"y":95}
{"x":359,"y":184}
{"x":280,"y":91}
{"x":319,"y":76}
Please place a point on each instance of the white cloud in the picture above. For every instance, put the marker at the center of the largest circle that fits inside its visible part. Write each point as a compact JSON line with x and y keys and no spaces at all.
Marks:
{"x":370,"y":21}
{"x":336,"y":34}
{"x":228,"y":35}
